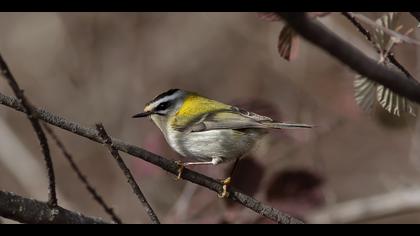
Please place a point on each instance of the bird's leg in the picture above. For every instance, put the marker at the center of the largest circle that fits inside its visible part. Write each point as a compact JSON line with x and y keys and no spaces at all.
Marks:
{"x":226,"y":182}
{"x":180,"y":169}
{"x":183,"y":165}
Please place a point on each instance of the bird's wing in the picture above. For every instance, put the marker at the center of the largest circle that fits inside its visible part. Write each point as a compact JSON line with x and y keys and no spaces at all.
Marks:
{"x":232,"y":118}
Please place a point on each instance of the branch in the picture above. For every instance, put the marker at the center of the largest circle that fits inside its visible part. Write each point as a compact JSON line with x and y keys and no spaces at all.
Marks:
{"x":31,"y":211}
{"x":375,"y":207}
{"x":392,"y":33}
{"x":29,"y":110}
{"x":359,"y":26}
{"x":136,"y":189}
{"x":82,"y":177}
{"x":317,"y":34}
{"x":170,"y":166}
{"x":368,"y":36}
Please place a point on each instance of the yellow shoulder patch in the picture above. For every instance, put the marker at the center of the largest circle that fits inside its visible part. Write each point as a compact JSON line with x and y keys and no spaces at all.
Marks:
{"x":195,"y":105}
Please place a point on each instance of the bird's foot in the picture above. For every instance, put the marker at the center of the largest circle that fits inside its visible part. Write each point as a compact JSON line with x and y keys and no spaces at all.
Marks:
{"x":226,"y":182}
{"x":180,"y":169}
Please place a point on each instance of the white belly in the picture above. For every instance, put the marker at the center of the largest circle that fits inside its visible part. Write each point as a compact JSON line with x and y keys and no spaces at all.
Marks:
{"x":204,"y":146}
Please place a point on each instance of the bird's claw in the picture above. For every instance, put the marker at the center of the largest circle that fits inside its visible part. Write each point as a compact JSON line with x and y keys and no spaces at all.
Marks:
{"x":180,"y":169}
{"x":226,"y":182}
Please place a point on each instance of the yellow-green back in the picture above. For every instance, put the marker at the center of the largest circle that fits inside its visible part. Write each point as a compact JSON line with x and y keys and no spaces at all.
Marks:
{"x":195,"y":105}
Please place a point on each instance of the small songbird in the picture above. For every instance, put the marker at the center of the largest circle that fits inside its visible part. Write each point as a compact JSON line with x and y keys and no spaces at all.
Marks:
{"x":206,"y":130}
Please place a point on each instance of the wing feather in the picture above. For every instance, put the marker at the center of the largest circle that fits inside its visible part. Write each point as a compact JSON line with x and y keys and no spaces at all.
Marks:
{"x":234,"y":118}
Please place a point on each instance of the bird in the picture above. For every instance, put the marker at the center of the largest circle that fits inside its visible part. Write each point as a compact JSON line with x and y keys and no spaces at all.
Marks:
{"x":208,"y":131}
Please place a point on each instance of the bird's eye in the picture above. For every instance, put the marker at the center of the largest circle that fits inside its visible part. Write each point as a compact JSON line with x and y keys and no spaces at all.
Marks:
{"x":162,"y":106}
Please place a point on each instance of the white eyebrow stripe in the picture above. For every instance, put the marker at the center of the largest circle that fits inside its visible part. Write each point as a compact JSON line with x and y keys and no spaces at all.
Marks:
{"x":165,"y":99}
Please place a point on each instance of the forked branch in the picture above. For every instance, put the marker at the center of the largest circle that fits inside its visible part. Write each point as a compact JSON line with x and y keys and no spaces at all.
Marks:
{"x":31,"y":211}
{"x":316,"y":33}
{"x":136,"y":189}
{"x":33,"y":118}
{"x":168,"y":165}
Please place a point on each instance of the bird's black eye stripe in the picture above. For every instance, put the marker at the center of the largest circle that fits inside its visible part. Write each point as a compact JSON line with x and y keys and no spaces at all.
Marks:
{"x":162,"y":106}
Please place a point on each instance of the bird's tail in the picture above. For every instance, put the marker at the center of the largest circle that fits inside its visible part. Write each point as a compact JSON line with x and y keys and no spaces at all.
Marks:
{"x":282,"y":125}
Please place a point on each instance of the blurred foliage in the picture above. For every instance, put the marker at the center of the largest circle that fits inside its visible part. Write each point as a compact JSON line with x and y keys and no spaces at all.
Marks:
{"x":367,"y":91}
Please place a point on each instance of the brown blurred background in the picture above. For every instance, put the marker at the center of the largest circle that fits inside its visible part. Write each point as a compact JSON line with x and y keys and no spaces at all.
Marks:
{"x":103,"y":67}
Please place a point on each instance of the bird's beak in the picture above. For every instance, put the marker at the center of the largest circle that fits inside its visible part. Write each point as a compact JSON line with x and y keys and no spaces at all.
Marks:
{"x":143,"y":114}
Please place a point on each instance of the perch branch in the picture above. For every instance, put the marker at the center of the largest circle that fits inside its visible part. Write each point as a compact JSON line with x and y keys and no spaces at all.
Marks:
{"x":82,"y":177}
{"x":33,"y":118}
{"x":136,"y":189}
{"x":31,"y":211}
{"x":168,"y":165}
{"x":319,"y":35}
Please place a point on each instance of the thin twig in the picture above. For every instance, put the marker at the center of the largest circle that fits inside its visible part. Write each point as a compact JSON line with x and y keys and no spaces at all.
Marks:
{"x":82,"y":177}
{"x":136,"y":189}
{"x":359,"y":26}
{"x":394,"y":61}
{"x":164,"y":163}
{"x":33,"y":118}
{"x":368,"y":36}
{"x":319,"y":35}
{"x":31,"y":211}
{"x":390,"y":32}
